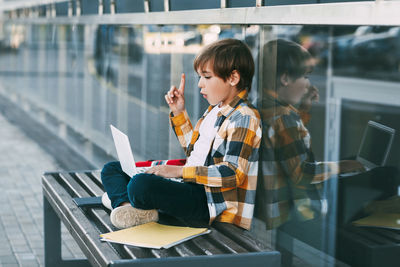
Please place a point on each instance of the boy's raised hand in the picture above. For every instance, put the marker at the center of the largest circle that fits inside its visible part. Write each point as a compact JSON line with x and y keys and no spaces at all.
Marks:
{"x":311,"y":96}
{"x":175,"y":97}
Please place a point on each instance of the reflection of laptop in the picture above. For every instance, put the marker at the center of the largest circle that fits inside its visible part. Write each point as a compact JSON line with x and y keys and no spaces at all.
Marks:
{"x":124,"y":151}
{"x":375,"y":146}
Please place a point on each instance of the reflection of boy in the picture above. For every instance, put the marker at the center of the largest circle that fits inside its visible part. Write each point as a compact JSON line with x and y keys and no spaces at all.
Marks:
{"x":289,"y":168}
{"x":220,"y":174}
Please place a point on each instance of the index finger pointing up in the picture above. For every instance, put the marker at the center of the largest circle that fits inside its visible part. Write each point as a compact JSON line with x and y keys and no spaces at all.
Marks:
{"x":182,"y":84}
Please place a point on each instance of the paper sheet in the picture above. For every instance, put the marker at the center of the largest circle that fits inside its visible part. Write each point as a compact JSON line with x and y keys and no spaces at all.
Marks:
{"x":153,"y":235}
{"x":385,"y":220}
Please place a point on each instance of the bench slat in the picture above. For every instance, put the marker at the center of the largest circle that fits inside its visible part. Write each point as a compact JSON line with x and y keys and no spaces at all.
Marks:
{"x":89,"y":184}
{"x":206,"y":246}
{"x":378,"y":239}
{"x":239,"y":236}
{"x":165,"y":253}
{"x":69,"y":183}
{"x":345,"y":232}
{"x":226,"y":243}
{"x":97,"y":176}
{"x":391,"y":235}
{"x":184,"y":250}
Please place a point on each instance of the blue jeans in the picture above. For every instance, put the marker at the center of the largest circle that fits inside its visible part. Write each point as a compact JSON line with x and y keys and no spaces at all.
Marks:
{"x":145,"y":191}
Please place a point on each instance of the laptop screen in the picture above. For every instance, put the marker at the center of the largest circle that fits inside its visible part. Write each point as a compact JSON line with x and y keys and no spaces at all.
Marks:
{"x":124,"y":151}
{"x":375,"y":145}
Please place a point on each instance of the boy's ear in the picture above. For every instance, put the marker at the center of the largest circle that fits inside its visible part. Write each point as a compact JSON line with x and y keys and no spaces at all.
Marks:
{"x":234,"y":79}
{"x":284,"y":79}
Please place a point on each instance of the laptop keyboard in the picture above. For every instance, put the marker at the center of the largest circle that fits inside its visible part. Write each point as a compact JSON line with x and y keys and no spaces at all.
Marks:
{"x":144,"y":169}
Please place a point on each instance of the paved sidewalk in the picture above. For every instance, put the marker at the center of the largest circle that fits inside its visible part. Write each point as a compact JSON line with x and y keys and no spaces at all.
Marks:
{"x":22,"y":162}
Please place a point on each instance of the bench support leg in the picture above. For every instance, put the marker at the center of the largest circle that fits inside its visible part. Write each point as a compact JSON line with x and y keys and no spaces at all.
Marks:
{"x":52,"y":240}
{"x":284,"y":244}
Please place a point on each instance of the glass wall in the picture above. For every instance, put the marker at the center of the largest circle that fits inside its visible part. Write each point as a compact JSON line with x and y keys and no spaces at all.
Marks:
{"x":86,"y":77}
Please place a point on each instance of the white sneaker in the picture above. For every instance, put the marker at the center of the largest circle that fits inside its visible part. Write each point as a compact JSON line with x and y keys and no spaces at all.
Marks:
{"x":106,"y":201}
{"x":128,"y":216}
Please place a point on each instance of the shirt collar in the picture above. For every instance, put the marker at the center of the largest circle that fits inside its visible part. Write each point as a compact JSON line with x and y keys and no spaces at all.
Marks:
{"x":239,"y":98}
{"x":274,"y":95}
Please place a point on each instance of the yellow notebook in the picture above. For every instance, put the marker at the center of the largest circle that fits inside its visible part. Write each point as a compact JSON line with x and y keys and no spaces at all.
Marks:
{"x":153,"y":235}
{"x":385,"y":220}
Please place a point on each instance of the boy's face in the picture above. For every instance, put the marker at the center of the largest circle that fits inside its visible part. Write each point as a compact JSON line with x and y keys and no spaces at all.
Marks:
{"x":294,"y":89}
{"x":214,"y":88}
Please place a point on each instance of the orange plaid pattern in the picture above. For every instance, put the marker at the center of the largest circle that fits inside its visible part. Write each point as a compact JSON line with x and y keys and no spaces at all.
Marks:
{"x":290,"y":174}
{"x":230,"y":172}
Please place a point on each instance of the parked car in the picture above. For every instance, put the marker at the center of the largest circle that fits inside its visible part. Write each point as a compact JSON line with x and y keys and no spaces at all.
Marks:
{"x":377,"y":47}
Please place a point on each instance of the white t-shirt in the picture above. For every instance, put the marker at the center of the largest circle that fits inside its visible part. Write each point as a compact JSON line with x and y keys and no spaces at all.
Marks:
{"x":207,"y":133}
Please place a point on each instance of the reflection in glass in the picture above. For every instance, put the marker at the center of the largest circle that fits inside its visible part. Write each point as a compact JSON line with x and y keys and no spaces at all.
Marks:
{"x":368,"y":52}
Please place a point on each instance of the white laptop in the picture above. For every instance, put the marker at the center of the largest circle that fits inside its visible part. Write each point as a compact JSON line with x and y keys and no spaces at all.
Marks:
{"x":124,"y":152}
{"x":375,"y":146}
{"x":125,"y":155}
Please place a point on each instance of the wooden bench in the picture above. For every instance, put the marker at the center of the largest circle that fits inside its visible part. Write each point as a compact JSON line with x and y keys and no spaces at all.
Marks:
{"x":226,"y":245}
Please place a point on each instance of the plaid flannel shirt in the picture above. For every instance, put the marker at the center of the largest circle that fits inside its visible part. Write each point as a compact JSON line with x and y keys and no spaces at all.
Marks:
{"x":291,"y":176}
{"x":230,"y":172}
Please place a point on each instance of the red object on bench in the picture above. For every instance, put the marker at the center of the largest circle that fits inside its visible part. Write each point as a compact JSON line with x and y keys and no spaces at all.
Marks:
{"x":149,"y":163}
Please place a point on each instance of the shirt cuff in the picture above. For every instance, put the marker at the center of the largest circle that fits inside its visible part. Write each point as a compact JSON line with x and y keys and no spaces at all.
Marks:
{"x":189,"y":174}
{"x":179,"y":119}
{"x":334,"y":167}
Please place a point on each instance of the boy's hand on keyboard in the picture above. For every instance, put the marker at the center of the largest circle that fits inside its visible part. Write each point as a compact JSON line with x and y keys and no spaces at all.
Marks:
{"x":167,"y":171}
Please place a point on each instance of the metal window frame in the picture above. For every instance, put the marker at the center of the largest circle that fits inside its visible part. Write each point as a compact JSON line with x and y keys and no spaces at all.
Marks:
{"x":368,"y":13}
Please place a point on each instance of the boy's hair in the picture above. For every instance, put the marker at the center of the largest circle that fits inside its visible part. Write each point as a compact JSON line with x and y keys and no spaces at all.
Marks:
{"x":280,"y":57}
{"x":226,"y":56}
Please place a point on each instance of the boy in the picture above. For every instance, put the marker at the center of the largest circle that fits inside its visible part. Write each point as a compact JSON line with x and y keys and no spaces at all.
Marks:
{"x":289,"y":168}
{"x":220,"y":175}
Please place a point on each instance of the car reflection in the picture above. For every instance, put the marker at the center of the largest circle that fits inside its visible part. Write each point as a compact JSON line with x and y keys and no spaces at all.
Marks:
{"x":377,"y":47}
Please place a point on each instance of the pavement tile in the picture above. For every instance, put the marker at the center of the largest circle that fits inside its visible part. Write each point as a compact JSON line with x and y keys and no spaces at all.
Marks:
{"x":32,"y":263}
{"x":6,"y":251}
{"x":21,"y":223}
{"x":25,"y":256}
{"x":8,"y":259}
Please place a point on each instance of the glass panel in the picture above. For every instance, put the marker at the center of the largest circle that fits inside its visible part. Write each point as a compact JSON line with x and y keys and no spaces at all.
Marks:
{"x":304,"y":194}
